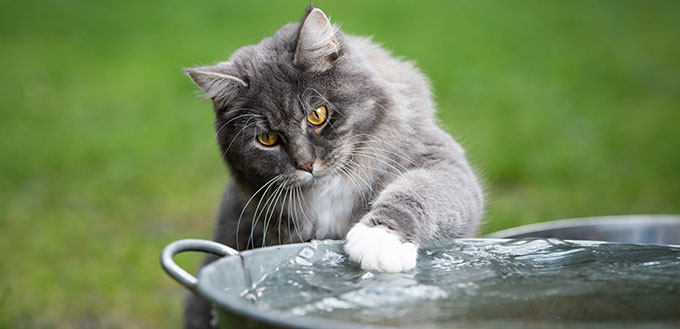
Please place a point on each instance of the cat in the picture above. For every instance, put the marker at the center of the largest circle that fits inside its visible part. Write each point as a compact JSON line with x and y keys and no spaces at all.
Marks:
{"x":328,"y":136}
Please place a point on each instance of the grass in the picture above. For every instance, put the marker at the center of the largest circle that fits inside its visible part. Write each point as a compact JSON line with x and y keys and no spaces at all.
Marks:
{"x":566,"y":109}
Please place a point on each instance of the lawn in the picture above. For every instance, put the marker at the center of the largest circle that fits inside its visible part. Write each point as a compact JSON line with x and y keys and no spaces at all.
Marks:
{"x":566,"y":109}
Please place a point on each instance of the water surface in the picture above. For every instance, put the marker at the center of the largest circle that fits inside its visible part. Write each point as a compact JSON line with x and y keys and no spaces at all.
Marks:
{"x":483,"y":284}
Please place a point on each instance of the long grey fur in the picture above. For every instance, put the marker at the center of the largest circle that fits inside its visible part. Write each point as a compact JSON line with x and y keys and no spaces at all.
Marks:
{"x":380,"y":154}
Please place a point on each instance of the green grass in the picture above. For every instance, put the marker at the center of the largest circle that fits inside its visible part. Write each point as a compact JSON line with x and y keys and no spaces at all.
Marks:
{"x":106,"y":154}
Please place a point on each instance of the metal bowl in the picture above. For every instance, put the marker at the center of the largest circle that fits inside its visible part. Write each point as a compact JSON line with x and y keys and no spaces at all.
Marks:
{"x":527,"y":268}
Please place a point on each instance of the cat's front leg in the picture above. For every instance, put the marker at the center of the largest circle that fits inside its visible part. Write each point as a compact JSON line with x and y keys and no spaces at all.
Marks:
{"x":420,"y":206}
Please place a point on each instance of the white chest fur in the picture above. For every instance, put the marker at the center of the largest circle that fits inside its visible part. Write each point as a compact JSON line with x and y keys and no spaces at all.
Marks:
{"x":329,"y":206}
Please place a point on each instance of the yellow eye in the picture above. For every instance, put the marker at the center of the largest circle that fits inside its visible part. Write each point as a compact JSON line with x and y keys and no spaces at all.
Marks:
{"x":269,"y":138}
{"x":318,"y":116}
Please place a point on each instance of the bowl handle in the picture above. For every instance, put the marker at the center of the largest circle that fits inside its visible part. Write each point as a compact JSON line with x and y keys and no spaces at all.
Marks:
{"x":174,"y":248}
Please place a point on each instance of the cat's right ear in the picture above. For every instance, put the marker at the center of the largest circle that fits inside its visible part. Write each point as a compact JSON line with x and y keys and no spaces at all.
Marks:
{"x":217,"y":82}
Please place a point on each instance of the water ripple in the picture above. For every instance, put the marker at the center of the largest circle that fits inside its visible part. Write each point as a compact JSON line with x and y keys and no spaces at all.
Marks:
{"x":525,"y":281}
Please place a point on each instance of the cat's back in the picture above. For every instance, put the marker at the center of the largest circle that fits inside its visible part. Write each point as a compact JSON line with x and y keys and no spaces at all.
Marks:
{"x":402,"y":75}
{"x":414,"y":104}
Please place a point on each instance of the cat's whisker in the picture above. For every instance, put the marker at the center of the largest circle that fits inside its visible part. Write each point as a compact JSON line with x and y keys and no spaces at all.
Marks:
{"x":332,"y":127}
{"x":217,"y":133}
{"x":377,"y":139}
{"x":364,"y":142}
{"x":238,"y":223}
{"x":306,"y":206}
{"x":302,"y":210}
{"x":247,"y":125}
{"x":231,"y":112}
{"x":377,"y":152}
{"x":279,"y":205}
{"x":382,"y":158}
{"x":302,"y":104}
{"x":351,"y":162}
{"x":247,"y":115}
{"x":374,"y":157}
{"x":392,"y":146}
{"x":278,"y":223}
{"x":380,"y":105}
{"x":296,"y":218}
{"x":265,"y":211}
{"x":250,"y":116}
{"x":253,"y":223}
{"x":396,"y":172}
{"x":293,"y":211}
{"x":376,"y":169}
{"x":290,"y":215}
{"x":349,"y":173}
{"x":271,"y":209}
{"x":358,"y":166}
{"x":343,"y":171}
{"x":361,"y":168}
{"x":384,"y":142}
{"x":265,"y":214}
{"x":267,"y":217}
{"x":375,"y":149}
{"x":362,"y":150}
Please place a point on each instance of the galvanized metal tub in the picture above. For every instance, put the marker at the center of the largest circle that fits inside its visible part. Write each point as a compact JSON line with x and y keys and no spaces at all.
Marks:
{"x":225,"y":282}
{"x":654,"y":229}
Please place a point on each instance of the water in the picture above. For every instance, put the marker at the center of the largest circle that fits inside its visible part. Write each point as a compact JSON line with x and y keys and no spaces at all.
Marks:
{"x":485,"y":283}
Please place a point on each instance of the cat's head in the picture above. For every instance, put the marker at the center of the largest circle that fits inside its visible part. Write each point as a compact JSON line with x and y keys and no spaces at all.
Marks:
{"x":293,"y":107}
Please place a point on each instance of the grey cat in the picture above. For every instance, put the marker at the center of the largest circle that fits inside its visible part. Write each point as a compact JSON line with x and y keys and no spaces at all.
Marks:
{"x":327,"y":136}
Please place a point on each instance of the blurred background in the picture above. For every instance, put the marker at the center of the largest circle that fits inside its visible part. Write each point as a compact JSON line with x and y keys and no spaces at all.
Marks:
{"x":566,"y":109}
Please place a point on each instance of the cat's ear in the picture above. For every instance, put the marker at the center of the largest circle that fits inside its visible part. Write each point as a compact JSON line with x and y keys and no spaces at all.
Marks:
{"x":317,"y":46}
{"x":218,"y":82}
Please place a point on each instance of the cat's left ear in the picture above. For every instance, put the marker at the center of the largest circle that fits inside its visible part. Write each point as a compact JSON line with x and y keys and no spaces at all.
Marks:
{"x":317,"y":46}
{"x":217,"y":82}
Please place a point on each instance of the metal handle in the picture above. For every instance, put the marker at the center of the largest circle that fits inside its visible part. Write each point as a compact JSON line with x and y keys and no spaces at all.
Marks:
{"x":174,"y":248}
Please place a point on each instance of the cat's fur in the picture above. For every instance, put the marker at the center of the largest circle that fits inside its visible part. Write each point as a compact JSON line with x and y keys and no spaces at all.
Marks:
{"x":384,"y":175}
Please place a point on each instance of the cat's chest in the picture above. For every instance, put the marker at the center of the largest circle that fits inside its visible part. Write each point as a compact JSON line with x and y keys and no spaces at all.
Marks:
{"x":329,"y":207}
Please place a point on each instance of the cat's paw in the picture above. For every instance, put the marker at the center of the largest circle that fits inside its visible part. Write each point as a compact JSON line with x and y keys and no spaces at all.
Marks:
{"x":376,"y":248}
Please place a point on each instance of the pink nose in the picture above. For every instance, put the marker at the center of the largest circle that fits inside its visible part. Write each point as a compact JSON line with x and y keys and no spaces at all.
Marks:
{"x":306,"y":166}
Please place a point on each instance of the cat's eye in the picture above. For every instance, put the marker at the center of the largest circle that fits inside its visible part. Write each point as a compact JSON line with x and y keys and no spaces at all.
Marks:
{"x":318,"y":116}
{"x":269,"y":138}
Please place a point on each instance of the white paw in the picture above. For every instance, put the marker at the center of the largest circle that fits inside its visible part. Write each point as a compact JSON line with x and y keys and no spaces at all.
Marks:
{"x":376,"y":248}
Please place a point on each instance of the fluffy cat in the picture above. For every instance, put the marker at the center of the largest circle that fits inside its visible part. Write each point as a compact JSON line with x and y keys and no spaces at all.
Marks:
{"x":327,"y":136}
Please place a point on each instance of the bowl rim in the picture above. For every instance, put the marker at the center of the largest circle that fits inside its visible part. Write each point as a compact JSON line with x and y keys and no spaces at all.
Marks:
{"x":624,"y":220}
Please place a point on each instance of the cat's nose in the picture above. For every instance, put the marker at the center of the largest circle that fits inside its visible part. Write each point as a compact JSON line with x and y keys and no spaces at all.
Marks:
{"x":306,"y":166}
